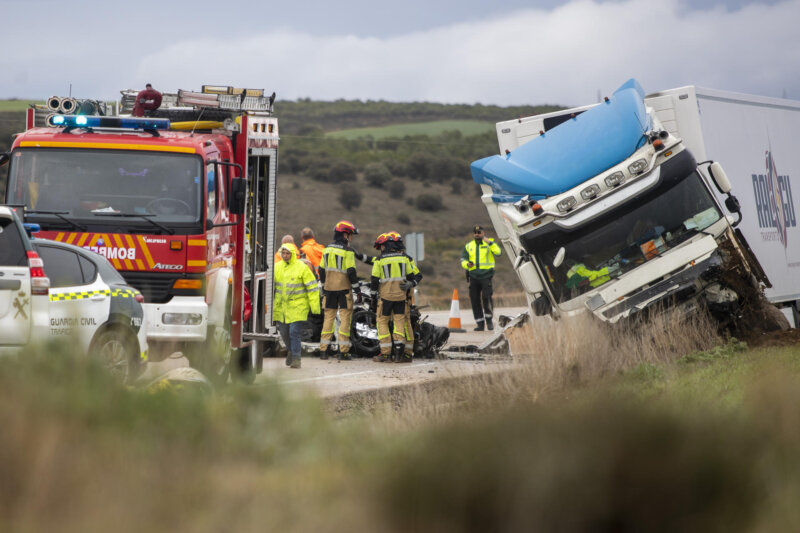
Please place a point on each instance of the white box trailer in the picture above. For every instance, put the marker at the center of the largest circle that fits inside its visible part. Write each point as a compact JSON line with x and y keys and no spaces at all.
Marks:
{"x":753,"y":138}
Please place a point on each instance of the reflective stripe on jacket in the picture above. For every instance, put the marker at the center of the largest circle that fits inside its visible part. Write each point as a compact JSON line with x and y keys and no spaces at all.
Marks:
{"x":296,"y":290}
{"x":482,"y":258}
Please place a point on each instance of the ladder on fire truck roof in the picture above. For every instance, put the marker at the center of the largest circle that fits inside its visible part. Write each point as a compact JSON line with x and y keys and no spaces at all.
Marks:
{"x":223,"y":99}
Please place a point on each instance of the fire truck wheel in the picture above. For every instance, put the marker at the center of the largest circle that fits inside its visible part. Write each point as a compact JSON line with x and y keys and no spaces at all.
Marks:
{"x":241,"y":370}
{"x":116,"y":349}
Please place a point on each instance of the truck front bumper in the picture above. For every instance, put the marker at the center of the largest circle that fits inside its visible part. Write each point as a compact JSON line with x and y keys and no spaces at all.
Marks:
{"x":183,"y":318}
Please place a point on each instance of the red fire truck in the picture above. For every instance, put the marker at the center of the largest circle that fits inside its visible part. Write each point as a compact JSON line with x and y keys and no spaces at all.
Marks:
{"x":182,"y":202}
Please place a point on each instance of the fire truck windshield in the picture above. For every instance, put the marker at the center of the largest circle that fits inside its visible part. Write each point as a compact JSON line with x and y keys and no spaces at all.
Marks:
{"x":100,"y":185}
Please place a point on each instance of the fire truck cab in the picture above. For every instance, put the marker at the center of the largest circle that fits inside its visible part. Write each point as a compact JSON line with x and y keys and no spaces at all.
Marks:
{"x":181,"y":202}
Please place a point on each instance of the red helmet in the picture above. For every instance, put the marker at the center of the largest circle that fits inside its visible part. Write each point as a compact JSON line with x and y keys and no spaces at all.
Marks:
{"x":345,"y":226}
{"x":382,"y":238}
{"x":394,"y":236}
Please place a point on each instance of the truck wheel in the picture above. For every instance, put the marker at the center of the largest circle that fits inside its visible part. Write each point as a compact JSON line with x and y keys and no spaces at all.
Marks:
{"x":242,"y":370}
{"x":364,"y":333}
{"x":115,"y":348}
{"x":216,"y":364}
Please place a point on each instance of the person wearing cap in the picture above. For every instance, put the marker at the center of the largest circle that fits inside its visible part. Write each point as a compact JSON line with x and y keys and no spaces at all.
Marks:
{"x":337,"y":273}
{"x":296,"y":294}
{"x":478,"y":260}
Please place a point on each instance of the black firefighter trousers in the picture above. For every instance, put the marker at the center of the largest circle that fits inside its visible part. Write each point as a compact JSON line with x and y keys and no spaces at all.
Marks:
{"x":480,"y":296}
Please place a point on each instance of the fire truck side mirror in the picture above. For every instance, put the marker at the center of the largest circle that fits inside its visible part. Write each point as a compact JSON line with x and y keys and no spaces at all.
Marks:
{"x":4,"y":157}
{"x":237,"y":196}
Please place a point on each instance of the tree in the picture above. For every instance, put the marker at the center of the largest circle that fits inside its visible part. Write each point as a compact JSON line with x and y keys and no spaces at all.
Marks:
{"x":350,"y":196}
{"x":429,"y":202}
{"x":377,"y":175}
{"x":342,"y":171}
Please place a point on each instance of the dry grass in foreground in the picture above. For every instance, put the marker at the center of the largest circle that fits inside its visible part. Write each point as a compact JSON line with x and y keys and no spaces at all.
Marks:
{"x":550,"y":357}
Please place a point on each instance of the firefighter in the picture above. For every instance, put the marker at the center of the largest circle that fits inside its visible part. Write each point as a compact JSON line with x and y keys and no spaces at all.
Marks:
{"x":296,"y":294}
{"x":392,"y":277}
{"x":337,"y":273}
{"x":478,"y":260}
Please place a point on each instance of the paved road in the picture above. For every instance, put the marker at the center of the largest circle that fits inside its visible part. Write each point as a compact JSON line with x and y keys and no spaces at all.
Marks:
{"x":334,"y":378}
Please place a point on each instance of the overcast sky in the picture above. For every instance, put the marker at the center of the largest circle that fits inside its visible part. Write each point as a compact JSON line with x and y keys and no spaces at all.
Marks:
{"x":502,"y":52}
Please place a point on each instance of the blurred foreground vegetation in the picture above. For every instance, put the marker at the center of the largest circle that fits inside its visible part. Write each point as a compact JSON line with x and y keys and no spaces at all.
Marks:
{"x":699,"y":441}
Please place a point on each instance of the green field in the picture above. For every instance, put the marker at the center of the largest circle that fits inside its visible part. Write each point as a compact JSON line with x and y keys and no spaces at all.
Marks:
{"x":466,"y":127}
{"x":17,"y":105}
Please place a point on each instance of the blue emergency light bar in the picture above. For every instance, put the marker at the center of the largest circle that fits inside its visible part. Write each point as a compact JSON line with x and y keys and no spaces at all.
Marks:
{"x":130,"y":123}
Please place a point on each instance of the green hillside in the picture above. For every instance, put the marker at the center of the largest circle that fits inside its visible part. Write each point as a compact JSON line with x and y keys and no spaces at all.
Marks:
{"x":466,"y":127}
{"x":17,"y":105}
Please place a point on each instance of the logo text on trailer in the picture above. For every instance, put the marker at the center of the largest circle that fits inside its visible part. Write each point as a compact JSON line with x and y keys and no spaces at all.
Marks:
{"x":774,"y":200}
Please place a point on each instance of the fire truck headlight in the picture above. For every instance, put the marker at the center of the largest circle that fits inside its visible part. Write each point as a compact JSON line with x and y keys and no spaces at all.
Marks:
{"x":182,"y":319}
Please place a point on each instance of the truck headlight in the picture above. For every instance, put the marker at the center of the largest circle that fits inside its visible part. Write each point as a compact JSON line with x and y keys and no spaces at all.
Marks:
{"x":566,"y":204}
{"x":615,"y":179}
{"x":182,"y":319}
{"x":638,"y":166}
{"x":591,"y":191}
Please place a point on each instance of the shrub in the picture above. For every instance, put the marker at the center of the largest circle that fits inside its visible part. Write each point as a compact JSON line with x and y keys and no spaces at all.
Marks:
{"x":342,"y":171}
{"x":429,"y":202}
{"x":455,"y":186}
{"x":377,"y":175}
{"x":403,"y":218}
{"x":397,"y":188}
{"x":396,"y":168}
{"x":350,"y":196}
{"x":420,"y":165}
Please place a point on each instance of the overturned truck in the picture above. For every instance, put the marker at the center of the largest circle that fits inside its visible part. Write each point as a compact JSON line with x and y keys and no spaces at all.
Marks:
{"x":604,"y":208}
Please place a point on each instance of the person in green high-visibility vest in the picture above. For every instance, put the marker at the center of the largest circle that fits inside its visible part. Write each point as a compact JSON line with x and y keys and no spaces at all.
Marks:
{"x":478,"y":260}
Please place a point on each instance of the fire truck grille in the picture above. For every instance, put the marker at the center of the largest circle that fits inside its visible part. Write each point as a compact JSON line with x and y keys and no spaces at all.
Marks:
{"x":155,"y":287}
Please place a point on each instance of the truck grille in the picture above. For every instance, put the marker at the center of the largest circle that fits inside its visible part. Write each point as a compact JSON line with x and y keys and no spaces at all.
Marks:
{"x":155,"y":287}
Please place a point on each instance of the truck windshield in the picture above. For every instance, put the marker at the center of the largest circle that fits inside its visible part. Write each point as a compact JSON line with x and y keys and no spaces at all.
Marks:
{"x":98,"y":185}
{"x":626,"y":237}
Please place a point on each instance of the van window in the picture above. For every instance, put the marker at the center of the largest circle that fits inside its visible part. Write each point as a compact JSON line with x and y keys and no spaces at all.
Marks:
{"x":12,"y":249}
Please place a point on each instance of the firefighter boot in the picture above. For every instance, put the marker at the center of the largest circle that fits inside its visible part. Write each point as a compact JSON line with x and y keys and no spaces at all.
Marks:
{"x":397,"y":352}
{"x":489,"y":324}
{"x":295,"y":362}
{"x":344,"y":357}
{"x":479,"y":326}
{"x":288,"y":358}
{"x":326,"y":354}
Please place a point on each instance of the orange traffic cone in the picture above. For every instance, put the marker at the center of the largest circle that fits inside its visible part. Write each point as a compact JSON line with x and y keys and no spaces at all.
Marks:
{"x":454,"y":324}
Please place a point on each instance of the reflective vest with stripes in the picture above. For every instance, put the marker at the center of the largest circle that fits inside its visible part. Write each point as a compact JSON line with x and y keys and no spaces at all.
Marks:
{"x":336,"y":260}
{"x":391,"y":270}
{"x":482,"y":257}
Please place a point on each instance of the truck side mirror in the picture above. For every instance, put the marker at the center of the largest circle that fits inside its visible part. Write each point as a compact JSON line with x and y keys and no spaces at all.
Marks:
{"x":237,"y":195}
{"x":4,"y":157}
{"x":720,"y":178}
{"x":559,"y":258}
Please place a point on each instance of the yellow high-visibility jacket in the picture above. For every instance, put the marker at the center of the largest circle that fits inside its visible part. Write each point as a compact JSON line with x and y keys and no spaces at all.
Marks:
{"x":482,"y":258}
{"x":296,"y":290}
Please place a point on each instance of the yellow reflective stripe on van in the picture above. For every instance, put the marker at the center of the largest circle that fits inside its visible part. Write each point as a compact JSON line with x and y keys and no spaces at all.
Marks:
{"x":83,"y":295}
{"x":109,"y":146}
